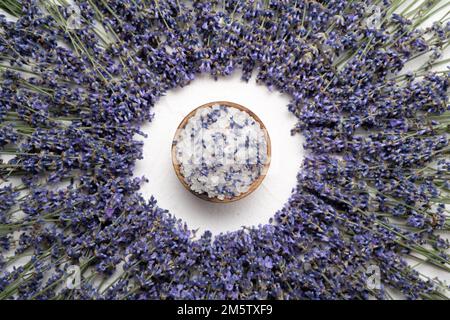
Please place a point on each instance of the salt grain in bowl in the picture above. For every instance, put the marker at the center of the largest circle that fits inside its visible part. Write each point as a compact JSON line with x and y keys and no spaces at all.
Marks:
{"x":221,"y":151}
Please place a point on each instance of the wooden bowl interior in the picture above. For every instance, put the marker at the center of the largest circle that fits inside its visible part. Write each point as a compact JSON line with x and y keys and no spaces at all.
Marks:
{"x":254,"y":185}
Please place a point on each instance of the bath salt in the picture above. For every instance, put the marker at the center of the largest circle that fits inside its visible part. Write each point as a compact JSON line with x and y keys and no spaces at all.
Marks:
{"x":221,"y":151}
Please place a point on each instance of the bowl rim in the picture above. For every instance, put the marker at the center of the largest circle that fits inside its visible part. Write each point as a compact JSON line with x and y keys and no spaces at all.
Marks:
{"x":177,"y":165}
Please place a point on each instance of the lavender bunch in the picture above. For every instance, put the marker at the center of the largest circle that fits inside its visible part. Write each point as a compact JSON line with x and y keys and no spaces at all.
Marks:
{"x":78,"y":79}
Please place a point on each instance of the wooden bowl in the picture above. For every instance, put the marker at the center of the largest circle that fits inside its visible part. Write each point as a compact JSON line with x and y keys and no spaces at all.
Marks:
{"x":177,"y":165}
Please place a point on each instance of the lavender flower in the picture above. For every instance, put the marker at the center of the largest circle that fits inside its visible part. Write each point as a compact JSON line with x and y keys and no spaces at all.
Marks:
{"x":371,"y":191}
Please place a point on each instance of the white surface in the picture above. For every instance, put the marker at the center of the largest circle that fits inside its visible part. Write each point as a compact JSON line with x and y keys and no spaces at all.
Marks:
{"x":258,"y":207}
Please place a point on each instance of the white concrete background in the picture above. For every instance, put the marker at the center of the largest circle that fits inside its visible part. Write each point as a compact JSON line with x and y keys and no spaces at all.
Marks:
{"x":258,"y":207}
